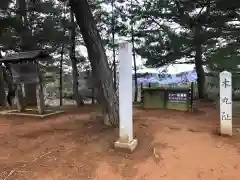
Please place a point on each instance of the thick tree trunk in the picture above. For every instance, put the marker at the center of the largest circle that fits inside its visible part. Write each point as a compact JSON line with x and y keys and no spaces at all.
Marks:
{"x":8,"y":81}
{"x":98,"y":58}
{"x":200,"y":72}
{"x":78,"y":98}
{"x":199,"y":64}
{"x":2,"y":91}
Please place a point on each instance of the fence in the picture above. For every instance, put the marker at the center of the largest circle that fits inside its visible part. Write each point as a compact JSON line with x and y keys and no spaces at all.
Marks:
{"x":211,"y":87}
{"x":190,"y":85}
{"x":170,"y":98}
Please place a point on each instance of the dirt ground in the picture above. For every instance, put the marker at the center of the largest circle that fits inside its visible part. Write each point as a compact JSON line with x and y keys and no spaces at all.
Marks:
{"x":172,"y":146}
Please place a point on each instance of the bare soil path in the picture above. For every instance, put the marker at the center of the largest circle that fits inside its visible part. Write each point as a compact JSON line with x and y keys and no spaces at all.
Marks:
{"x":172,"y":146}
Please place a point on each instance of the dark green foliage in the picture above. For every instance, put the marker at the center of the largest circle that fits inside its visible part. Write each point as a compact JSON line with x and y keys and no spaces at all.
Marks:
{"x":44,"y":26}
{"x":157,"y":41}
{"x":162,"y":44}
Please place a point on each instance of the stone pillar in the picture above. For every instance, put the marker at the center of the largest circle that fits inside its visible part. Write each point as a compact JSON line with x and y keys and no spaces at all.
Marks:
{"x":126,"y":140}
{"x":226,"y":103}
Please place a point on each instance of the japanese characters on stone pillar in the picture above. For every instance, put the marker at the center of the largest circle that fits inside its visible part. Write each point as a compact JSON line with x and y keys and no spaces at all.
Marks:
{"x":226,"y":103}
{"x":126,"y":140}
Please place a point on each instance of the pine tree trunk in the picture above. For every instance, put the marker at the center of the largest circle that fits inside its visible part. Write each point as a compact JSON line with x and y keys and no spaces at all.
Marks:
{"x":40,"y":95}
{"x":78,"y":98}
{"x":40,"y":99}
{"x":26,"y":39}
{"x":19,"y":98}
{"x":9,"y":82}
{"x":61,"y":78}
{"x":113,"y":47}
{"x":98,"y":58}
{"x":2,"y":91}
{"x":199,"y":64}
{"x":135,"y":67}
{"x":134,"y":55}
{"x":200,"y":73}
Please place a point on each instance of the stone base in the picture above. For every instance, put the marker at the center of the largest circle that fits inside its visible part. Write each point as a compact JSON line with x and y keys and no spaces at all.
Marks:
{"x":126,"y":146}
{"x":47,"y":114}
{"x":229,"y":133}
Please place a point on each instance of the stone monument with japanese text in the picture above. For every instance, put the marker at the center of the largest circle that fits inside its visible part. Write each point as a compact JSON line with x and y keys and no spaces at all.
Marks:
{"x":226,"y":103}
{"x":126,"y":140}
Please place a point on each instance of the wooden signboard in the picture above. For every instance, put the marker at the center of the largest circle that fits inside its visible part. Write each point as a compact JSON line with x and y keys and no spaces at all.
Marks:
{"x":25,"y":73}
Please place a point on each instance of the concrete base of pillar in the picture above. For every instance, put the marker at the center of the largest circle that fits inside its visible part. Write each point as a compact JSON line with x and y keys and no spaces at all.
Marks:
{"x":224,"y":132}
{"x":126,"y":146}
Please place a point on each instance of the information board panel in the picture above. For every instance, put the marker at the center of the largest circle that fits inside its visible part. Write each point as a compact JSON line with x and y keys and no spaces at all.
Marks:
{"x":25,"y":73}
{"x":177,"y":97}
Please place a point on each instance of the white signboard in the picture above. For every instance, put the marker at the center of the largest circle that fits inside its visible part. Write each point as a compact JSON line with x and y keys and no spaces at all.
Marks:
{"x":226,"y":103}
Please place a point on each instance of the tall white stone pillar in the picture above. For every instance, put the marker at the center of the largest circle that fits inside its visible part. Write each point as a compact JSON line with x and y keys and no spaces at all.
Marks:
{"x":126,"y":140}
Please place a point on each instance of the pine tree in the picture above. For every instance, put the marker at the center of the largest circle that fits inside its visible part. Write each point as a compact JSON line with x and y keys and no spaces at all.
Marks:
{"x":97,"y":56}
{"x":199,"y":25}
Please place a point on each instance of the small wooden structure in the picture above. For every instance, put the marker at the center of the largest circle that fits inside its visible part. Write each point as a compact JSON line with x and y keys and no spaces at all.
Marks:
{"x":25,"y":71}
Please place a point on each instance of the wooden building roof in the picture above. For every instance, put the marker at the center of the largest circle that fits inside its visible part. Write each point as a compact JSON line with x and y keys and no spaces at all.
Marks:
{"x":25,"y":56}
